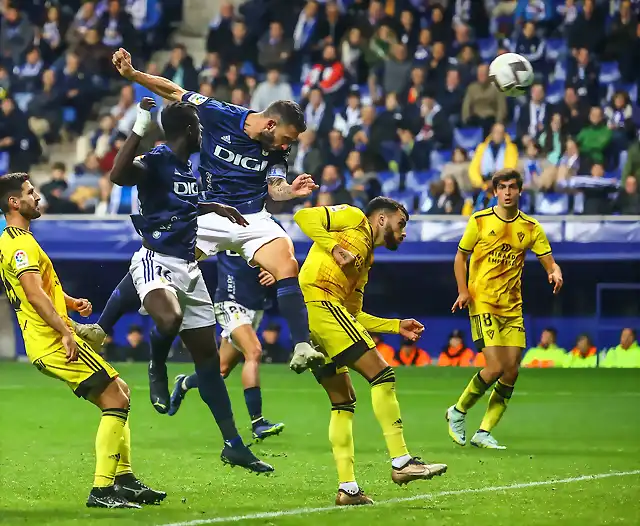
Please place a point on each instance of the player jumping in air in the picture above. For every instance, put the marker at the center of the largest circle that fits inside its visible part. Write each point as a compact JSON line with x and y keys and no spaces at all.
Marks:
{"x":497,"y":240}
{"x":243,"y":159}
{"x":35,"y":293}
{"x":239,"y":305}
{"x":165,"y":271}
{"x":333,"y":278}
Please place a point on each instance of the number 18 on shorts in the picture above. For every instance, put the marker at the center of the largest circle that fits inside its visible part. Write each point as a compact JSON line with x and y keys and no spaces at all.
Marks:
{"x":490,"y":330}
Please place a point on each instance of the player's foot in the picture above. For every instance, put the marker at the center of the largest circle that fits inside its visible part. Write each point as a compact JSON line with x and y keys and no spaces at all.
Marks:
{"x":91,"y":333}
{"x":344,"y":498}
{"x":305,"y":357}
{"x":159,"y":387}
{"x":264,"y":429}
{"x":130,"y":488}
{"x":242,"y":456}
{"x":177,"y":395}
{"x":485,"y":440}
{"x":107,"y":498}
{"x":456,"y":425}
{"x":416,"y":469}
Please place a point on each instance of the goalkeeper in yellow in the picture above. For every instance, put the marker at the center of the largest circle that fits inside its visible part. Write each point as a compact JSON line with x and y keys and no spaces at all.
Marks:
{"x":332,"y":279}
{"x":497,"y":240}
{"x":35,"y":293}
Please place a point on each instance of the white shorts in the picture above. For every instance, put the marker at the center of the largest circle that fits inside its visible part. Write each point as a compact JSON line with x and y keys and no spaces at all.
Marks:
{"x":231,"y":315}
{"x":151,"y":271}
{"x":217,"y":233}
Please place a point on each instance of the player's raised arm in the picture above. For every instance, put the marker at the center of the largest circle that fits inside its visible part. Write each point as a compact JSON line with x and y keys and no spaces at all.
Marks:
{"x":319,"y":221}
{"x":127,"y":169}
{"x":159,"y":85}
{"x":302,"y":186}
{"x":465,"y":248}
{"x":542,"y":249}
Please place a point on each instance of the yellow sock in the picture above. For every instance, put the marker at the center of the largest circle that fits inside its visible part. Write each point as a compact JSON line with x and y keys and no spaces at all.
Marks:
{"x":387,"y":411}
{"x":108,"y":445}
{"x":497,"y":405}
{"x":473,"y":392}
{"x":341,"y":438}
{"x":124,"y":464}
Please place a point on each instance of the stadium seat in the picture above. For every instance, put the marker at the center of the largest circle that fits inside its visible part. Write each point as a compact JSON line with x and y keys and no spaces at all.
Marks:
{"x":69,"y":114}
{"x":467,"y":138}
{"x":609,"y":73}
{"x":296,"y":88}
{"x":511,"y":131}
{"x":425,"y":202}
{"x":560,"y":71}
{"x":555,"y":91}
{"x":438,"y":158}
{"x":488,"y":47}
{"x":556,"y":49}
{"x":552,"y":204}
{"x":420,"y":180}
{"x":630,"y":88}
{"x":389,"y":181}
{"x":578,"y":203}
{"x":406,"y":197}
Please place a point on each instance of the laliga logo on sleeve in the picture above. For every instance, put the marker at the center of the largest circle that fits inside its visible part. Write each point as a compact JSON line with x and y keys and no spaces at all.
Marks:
{"x":21,"y":260}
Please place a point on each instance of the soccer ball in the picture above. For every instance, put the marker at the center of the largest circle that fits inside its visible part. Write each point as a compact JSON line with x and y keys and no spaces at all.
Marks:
{"x":511,"y":73}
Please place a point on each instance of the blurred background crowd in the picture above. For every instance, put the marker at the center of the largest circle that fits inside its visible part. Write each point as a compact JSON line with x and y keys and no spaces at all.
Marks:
{"x":395,"y":93}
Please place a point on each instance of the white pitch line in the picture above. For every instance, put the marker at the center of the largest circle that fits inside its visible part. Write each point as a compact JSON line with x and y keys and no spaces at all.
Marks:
{"x":424,"y":496}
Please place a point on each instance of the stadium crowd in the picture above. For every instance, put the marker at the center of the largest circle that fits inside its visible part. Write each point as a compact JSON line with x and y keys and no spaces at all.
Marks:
{"x":396,"y":95}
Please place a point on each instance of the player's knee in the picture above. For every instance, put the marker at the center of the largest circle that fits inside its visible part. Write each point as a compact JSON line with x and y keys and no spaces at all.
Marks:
{"x":510,"y":374}
{"x":253,"y":353}
{"x":169,"y":322}
{"x":287,"y":268}
{"x":225,"y":369}
{"x":492,"y":372}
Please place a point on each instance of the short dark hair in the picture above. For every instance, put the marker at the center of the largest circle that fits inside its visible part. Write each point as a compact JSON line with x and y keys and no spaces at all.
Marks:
{"x":11,"y":186}
{"x":506,"y":175}
{"x":135,"y":328}
{"x":175,"y":117}
{"x":552,"y":330}
{"x":289,"y":113}
{"x":385,"y":204}
{"x":59,"y":166}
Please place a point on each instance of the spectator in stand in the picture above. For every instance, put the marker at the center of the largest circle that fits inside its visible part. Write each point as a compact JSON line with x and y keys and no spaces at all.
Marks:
{"x":574,"y":111}
{"x":532,"y":47}
{"x":379,"y":50}
{"x":116,"y":27}
{"x":231,"y":80}
{"x":596,"y":197}
{"x":386,"y":123}
{"x":76,"y":89}
{"x":136,"y":350}
{"x":318,"y":114}
{"x":412,"y":155}
{"x":532,"y":166}
{"x":626,"y":354}
{"x":588,"y":29}
{"x":583,"y":75}
{"x":621,"y":39}
{"x":438,"y":65}
{"x":462,"y":38}
{"x":274,"y":50}
{"x":305,"y":34}
{"x":16,"y":36}
{"x":495,"y":153}
{"x":240,"y":97}
{"x":240,"y":49}
{"x":220,"y":28}
{"x":55,"y":192}
{"x":45,"y":110}
{"x":374,"y":18}
{"x":5,"y":82}
{"x":628,"y":199}
{"x":211,"y":69}
{"x":180,"y":69}
{"x":584,"y":354}
{"x":458,"y":169}
{"x":363,"y":185}
{"x":124,"y":112}
{"x":94,"y":56}
{"x":305,"y":156}
{"x":622,"y":119}
{"x":456,"y":353}
{"x":333,"y":26}
{"x":535,"y":115}
{"x":336,"y":150}
{"x":450,"y":201}
{"x":272,"y":350}
{"x":552,"y":140}
{"x":411,"y":355}
{"x":86,"y":174}
{"x":99,"y":141}
{"x":434,"y":125}
{"x":396,"y":70}
{"x":27,"y":78}
{"x":483,"y":104}
{"x":422,"y":54}
{"x":385,"y":350}
{"x":450,"y":97}
{"x":440,"y":27}
{"x":595,"y":138}
{"x":408,"y":35}
{"x":15,"y":137}
{"x":547,"y":353}
{"x":466,"y":63}
{"x":632,"y":164}
{"x":353,"y":55}
{"x":85,"y":19}
{"x":328,"y":75}
{"x":271,"y":90}
{"x":351,"y":116}
{"x":51,"y":35}
{"x":570,"y":162}
{"x":332,"y":183}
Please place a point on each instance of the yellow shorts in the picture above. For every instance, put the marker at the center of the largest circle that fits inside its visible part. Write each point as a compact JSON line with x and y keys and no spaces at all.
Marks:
{"x":337,"y":335}
{"x":490,"y":330}
{"x":90,"y":372}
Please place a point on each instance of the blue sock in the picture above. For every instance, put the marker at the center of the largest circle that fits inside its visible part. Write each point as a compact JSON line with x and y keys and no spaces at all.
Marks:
{"x":253,"y":399}
{"x":123,"y":299}
{"x":160,"y":345}
{"x":213,"y":392}
{"x":292,"y":307}
{"x":191,"y":382}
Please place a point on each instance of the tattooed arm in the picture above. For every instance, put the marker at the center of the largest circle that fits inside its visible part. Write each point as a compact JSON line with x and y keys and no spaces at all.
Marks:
{"x":280,"y":190}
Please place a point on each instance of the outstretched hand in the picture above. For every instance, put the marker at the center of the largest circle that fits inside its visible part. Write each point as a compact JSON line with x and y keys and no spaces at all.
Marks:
{"x":303,"y":186}
{"x":121,"y":59}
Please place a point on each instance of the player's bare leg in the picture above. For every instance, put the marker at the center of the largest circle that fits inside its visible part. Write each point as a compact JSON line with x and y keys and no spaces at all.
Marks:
{"x":277,"y":257}
{"x":201,"y":343}
{"x":343,"y":404}
{"x":405,"y":468}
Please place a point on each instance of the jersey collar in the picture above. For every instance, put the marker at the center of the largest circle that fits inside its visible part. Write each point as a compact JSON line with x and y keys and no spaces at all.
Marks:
{"x":493,"y":208}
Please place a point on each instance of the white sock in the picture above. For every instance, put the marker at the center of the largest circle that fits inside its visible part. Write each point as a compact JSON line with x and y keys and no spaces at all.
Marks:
{"x":184,"y":384}
{"x":400,"y":462}
{"x":350,"y":487}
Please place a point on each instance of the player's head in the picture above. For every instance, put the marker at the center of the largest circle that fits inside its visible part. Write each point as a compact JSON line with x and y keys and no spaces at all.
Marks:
{"x":180,"y":122}
{"x":507,"y":185}
{"x":548,"y":337}
{"x":388,"y":219}
{"x":285,"y":121}
{"x":18,"y":196}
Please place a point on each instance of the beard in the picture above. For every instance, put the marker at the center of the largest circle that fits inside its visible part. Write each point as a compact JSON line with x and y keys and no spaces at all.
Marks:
{"x":267,"y":139}
{"x":30,"y":213}
{"x":390,"y":241}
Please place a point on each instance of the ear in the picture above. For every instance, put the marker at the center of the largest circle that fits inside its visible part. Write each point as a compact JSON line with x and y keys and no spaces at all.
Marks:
{"x":270,"y":125}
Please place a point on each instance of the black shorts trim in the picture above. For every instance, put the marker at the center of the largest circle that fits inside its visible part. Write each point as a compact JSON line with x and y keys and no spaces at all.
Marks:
{"x":96,"y":383}
{"x":351,"y":355}
{"x":325,"y":371}
{"x":477,"y":322}
{"x":344,"y":322}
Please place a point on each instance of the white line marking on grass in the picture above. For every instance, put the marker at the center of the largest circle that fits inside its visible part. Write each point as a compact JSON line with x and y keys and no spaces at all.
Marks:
{"x":424,"y":496}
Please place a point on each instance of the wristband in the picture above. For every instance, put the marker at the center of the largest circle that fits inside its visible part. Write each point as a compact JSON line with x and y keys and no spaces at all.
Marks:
{"x":143,"y":119}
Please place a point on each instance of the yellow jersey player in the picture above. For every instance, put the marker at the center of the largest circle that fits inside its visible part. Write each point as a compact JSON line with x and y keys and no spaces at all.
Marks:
{"x":332,"y":279}
{"x":497,"y":240}
{"x":35,"y":293}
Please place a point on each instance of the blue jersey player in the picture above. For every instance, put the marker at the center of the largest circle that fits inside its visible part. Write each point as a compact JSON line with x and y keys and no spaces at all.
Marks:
{"x":165,"y":271}
{"x":242,"y":160}
{"x":239,"y":303}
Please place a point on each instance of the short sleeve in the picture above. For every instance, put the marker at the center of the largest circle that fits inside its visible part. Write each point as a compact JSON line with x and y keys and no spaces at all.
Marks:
{"x":195,"y":98}
{"x":539,"y":243}
{"x":25,"y":256}
{"x":341,"y":217}
{"x":209,"y":110}
{"x":470,"y":236}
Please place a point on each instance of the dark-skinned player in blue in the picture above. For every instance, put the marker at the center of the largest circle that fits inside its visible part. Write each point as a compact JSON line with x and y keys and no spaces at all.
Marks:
{"x":165,"y":272}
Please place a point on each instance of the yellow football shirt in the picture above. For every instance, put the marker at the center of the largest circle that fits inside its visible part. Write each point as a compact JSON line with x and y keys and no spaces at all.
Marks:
{"x":498,"y":250}
{"x":20,"y":253}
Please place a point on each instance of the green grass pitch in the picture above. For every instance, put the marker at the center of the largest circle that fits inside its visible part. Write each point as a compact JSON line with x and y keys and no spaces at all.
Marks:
{"x":561,"y":425}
